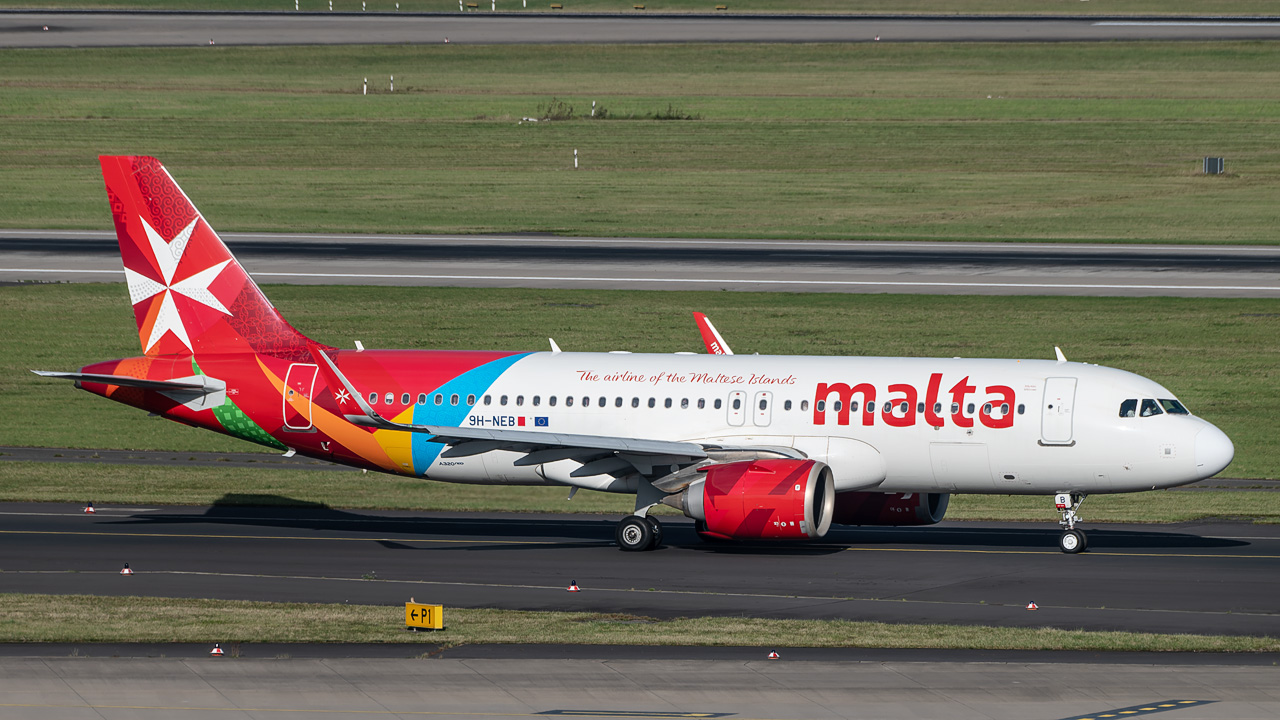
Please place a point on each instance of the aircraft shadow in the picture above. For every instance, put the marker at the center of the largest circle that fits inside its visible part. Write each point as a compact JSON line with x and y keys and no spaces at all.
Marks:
{"x":275,"y":511}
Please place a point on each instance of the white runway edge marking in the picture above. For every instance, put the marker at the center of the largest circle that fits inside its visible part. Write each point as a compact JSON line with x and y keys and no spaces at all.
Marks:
{"x":1182,"y":23}
{"x":697,"y":242}
{"x":699,"y":281}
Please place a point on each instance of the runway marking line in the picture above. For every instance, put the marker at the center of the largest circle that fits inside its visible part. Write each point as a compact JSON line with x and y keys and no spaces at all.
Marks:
{"x":443,"y":541}
{"x":704,"y":281}
{"x":278,"y":537}
{"x":823,"y":599}
{"x":1147,"y":709}
{"x":396,"y":713}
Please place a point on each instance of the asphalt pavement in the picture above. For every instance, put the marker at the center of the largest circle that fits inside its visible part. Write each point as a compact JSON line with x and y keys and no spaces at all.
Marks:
{"x":1216,"y":578}
{"x":978,"y":268}
{"x":107,"y":29}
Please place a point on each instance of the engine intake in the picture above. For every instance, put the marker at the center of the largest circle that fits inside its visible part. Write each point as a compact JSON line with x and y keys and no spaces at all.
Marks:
{"x":769,"y":498}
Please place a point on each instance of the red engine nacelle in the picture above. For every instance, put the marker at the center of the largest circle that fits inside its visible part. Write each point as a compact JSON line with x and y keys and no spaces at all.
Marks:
{"x":871,"y":508}
{"x":771,"y":498}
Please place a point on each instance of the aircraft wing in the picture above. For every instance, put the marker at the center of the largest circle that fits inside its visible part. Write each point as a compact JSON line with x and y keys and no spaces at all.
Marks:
{"x":125,"y":380}
{"x":593,"y":451}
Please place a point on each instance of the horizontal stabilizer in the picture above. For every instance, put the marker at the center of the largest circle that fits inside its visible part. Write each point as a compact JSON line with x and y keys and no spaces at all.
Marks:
{"x":125,"y":380}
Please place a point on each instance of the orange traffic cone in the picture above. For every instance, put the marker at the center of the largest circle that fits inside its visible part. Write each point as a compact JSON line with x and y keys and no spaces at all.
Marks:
{"x":774,"y":655}
{"x":125,"y":570}
{"x":573,"y":586}
{"x":216,"y":651}
{"x":1032,"y":606}
{"x":88,"y":509}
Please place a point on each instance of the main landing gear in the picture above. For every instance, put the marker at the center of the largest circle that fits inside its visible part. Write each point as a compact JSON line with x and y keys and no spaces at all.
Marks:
{"x":636,"y":533}
{"x":1072,"y":540}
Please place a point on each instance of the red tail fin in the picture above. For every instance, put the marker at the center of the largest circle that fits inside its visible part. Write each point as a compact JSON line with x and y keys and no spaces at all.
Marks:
{"x":189,"y":294}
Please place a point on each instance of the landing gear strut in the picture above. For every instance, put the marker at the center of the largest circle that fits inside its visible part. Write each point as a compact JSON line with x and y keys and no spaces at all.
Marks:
{"x":1072,"y":540}
{"x":637,"y":533}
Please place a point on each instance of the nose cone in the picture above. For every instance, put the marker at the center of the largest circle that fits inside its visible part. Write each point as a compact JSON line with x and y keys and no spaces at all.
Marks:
{"x":1214,"y":451}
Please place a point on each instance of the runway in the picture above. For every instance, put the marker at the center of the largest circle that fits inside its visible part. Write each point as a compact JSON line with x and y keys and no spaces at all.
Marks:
{"x":1214,"y":578}
{"x":689,"y":264}
{"x":743,"y":689}
{"x":106,"y":29}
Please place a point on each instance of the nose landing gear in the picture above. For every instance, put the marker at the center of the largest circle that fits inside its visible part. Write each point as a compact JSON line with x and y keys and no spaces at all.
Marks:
{"x":1072,"y":540}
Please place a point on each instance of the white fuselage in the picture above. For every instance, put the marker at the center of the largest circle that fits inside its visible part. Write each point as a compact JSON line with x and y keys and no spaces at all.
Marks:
{"x":954,"y":425}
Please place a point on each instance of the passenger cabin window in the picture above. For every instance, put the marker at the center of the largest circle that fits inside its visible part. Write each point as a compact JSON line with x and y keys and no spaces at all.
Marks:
{"x":919,"y":408}
{"x":666,"y":403}
{"x":1129,"y":408}
{"x":1004,"y":408}
{"x":586,"y":401}
{"x":404,"y":398}
{"x":737,"y":403}
{"x":390,"y":399}
{"x":568,"y":401}
{"x":937,"y":408}
{"x":502,"y":400}
{"x":822,"y":406}
{"x":719,"y":403}
{"x":1150,"y":407}
{"x":603,"y":401}
{"x":785,"y":405}
{"x":1173,"y":407}
{"x":635,"y":402}
{"x":684,"y":403}
{"x":804,"y":406}
{"x":551,"y":401}
{"x":837,"y":405}
{"x":702,"y":403}
{"x":764,"y":404}
{"x":488,"y":399}
{"x":519,"y":400}
{"x":422,"y":398}
{"x":439,"y":399}
{"x":986,"y":409}
{"x":471,"y":400}
{"x":1022,"y":409}
{"x":537,"y":400}
{"x":955,"y":408}
{"x":373,"y":398}
{"x":617,"y":402}
{"x":653,"y":402}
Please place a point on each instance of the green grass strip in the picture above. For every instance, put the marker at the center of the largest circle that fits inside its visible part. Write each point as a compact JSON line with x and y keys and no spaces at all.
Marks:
{"x":89,"y":619}
{"x":1219,"y":356}
{"x":268,"y":487}
{"x":1096,"y":142}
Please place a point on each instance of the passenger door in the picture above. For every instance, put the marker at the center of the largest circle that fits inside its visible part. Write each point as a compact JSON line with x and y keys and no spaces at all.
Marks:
{"x":1055,"y":422}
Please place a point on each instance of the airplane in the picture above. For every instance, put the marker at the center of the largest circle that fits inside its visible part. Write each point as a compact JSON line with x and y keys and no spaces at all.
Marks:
{"x":748,"y":446}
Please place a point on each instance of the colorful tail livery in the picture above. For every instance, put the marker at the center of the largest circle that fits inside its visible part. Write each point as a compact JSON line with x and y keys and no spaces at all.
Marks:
{"x":749,"y":446}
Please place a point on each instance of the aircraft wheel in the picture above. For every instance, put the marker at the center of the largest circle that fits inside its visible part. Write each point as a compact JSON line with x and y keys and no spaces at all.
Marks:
{"x":657,"y":531}
{"x":634,"y":534}
{"x":1072,"y":542}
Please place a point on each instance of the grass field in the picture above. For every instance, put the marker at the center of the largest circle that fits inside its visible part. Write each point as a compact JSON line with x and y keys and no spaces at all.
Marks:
{"x":54,"y":618}
{"x":940,"y":7}
{"x":150,"y":485}
{"x":1219,"y":356}
{"x":1098,"y":142}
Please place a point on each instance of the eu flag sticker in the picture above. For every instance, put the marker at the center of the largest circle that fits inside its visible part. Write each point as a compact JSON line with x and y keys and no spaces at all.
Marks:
{"x":541,"y":422}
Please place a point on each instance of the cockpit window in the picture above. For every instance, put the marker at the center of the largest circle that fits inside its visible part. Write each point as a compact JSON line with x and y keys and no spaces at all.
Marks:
{"x":1150,"y":407}
{"x":1173,"y":407}
{"x":1129,"y":408}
